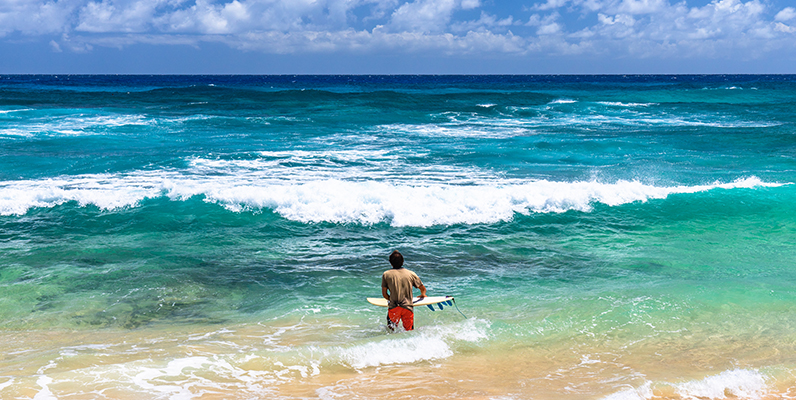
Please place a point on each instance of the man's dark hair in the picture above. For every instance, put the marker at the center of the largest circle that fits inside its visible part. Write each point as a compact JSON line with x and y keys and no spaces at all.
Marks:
{"x":396,"y":259}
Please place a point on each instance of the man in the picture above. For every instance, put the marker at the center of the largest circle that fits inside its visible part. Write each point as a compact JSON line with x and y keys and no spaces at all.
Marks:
{"x":396,"y":287}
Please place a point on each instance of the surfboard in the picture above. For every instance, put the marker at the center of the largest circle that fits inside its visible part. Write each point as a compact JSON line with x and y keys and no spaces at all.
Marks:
{"x":426,"y":301}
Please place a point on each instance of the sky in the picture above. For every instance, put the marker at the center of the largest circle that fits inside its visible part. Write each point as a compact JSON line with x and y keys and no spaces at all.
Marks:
{"x":397,"y":36}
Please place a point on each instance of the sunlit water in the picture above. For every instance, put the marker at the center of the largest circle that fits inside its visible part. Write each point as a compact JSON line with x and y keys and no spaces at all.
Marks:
{"x":216,"y":237}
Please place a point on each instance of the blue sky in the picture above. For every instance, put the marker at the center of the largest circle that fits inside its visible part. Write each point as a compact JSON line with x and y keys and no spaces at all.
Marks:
{"x":397,"y":36}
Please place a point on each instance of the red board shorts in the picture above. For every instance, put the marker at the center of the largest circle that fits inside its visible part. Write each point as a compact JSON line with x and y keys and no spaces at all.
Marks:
{"x":402,"y":314}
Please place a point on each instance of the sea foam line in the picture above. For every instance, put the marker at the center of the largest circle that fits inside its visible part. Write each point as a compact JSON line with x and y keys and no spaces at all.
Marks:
{"x":344,"y":201}
{"x":738,"y":383}
{"x":74,"y":124}
{"x":14,"y":110}
{"x":621,"y":104}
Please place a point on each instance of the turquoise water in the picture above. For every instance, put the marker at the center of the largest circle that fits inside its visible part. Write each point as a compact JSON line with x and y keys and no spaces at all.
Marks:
{"x":199,"y":236}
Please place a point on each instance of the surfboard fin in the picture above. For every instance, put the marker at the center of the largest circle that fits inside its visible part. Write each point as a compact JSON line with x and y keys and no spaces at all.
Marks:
{"x":430,"y":307}
{"x":440,"y":306}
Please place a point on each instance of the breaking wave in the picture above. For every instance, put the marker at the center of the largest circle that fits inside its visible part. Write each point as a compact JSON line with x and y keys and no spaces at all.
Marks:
{"x":344,"y":201}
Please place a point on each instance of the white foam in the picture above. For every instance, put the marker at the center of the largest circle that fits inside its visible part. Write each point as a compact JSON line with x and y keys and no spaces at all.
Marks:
{"x":328,"y":393}
{"x":396,"y":351}
{"x":426,"y":205}
{"x":75,"y":124}
{"x":467,"y":125}
{"x":739,"y":383}
{"x":174,"y":368}
{"x":14,"y":110}
{"x":105,"y":192}
{"x":471,"y":330}
{"x":353,"y":165}
{"x":470,"y":127}
{"x":424,"y":344}
{"x":621,"y":104}
{"x":188,"y":377}
{"x":407,"y":200}
{"x":44,"y":393}
{"x":70,"y":351}
{"x":642,"y":393}
{"x":15,"y":132}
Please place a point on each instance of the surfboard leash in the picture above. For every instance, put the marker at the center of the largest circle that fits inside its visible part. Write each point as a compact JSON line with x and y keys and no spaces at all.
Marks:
{"x":457,"y":308}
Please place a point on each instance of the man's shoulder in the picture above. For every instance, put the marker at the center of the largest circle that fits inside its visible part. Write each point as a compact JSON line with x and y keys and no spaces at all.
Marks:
{"x":387,"y":273}
{"x":399,"y":272}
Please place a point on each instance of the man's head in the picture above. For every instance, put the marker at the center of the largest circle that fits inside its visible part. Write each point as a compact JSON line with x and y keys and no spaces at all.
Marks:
{"x":396,"y":259}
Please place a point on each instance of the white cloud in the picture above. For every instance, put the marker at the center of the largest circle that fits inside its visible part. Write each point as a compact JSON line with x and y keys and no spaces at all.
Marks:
{"x":470,"y":4}
{"x":36,"y":17}
{"x":787,"y":14}
{"x":75,"y":46}
{"x":55,"y":46}
{"x":642,"y":6}
{"x":780,"y":27}
{"x":720,"y":29}
{"x":221,"y":19}
{"x":486,"y":21}
{"x":423,"y":16}
{"x":550,"y":4}
{"x":621,"y":19}
{"x":627,"y":28}
{"x":105,"y":16}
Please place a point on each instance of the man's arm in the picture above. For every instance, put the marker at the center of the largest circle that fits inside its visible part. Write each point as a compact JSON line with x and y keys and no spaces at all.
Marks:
{"x":385,"y":293}
{"x":422,"y":290}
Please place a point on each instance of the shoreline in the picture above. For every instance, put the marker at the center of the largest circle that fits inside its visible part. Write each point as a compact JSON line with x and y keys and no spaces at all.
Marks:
{"x":269,"y":359}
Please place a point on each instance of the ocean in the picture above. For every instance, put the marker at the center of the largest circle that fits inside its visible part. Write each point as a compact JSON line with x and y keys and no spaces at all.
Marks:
{"x":215,"y":237}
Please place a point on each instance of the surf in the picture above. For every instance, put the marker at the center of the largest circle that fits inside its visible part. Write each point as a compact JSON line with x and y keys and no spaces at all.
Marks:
{"x":368,"y":202}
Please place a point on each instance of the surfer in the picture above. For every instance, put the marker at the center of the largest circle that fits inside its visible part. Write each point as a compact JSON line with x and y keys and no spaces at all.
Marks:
{"x":396,"y":287}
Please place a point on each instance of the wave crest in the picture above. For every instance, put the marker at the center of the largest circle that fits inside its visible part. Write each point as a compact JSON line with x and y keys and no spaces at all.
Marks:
{"x":345,"y":201}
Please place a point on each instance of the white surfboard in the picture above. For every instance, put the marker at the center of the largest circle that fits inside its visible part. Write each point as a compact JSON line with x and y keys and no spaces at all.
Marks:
{"x":426,"y":301}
